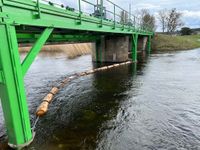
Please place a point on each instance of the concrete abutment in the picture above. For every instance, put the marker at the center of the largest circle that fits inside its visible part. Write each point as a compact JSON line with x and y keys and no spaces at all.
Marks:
{"x":115,"y":49}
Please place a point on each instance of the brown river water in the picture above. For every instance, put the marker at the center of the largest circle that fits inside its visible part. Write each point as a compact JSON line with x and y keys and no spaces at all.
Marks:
{"x":152,"y":106}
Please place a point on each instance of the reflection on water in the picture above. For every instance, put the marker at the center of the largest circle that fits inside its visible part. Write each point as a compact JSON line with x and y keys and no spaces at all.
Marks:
{"x":153,"y":107}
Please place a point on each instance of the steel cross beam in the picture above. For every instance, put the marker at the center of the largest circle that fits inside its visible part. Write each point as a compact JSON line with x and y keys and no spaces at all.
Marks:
{"x":61,"y":18}
{"x":35,"y":50}
{"x":30,"y":37}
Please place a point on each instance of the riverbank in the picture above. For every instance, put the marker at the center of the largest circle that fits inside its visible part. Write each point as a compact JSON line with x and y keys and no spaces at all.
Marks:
{"x":71,"y":50}
{"x":159,"y":43}
{"x":170,"y":43}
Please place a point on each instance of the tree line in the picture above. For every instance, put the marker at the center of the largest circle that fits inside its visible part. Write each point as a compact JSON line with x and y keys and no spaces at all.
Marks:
{"x":168,"y":20}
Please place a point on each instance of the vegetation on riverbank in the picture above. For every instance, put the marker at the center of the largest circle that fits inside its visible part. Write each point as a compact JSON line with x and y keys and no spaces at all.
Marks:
{"x":71,"y":50}
{"x":169,"y":43}
{"x":159,"y":43}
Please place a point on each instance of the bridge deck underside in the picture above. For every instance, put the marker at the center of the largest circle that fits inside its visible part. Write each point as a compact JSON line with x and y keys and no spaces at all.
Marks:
{"x":24,"y":13}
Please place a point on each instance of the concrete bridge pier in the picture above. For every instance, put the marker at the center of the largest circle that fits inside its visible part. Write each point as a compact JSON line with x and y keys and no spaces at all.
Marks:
{"x":111,"y":49}
{"x":114,"y":48}
{"x":144,"y":44}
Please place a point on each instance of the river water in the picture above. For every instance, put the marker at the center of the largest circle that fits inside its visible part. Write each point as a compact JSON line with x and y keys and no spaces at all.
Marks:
{"x":152,"y":106}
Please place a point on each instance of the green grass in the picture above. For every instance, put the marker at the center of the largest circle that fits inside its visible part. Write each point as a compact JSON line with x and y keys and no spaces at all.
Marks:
{"x":168,"y":42}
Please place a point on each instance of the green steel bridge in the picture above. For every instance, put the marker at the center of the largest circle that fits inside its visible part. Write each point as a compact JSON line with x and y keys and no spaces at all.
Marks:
{"x":40,"y":22}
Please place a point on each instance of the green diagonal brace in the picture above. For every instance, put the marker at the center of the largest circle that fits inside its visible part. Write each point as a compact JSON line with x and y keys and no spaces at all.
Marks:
{"x":1,"y":77}
{"x":35,"y":50}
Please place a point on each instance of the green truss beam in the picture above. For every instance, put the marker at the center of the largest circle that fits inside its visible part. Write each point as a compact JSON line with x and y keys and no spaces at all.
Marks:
{"x":27,"y":37}
{"x":60,"y":18}
{"x":35,"y":50}
{"x":12,"y":91}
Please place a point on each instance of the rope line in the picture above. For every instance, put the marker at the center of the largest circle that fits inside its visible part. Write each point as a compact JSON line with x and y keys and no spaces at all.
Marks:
{"x":35,"y":123}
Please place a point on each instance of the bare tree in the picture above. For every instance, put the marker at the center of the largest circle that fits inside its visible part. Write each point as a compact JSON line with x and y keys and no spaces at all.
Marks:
{"x":174,"y":20}
{"x":162,"y":17}
{"x":147,"y":20}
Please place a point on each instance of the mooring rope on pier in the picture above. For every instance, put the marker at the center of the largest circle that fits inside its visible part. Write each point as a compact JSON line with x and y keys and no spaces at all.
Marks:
{"x":43,"y":107}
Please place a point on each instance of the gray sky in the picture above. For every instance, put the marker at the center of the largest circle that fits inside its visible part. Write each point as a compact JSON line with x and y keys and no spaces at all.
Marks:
{"x":189,"y":8}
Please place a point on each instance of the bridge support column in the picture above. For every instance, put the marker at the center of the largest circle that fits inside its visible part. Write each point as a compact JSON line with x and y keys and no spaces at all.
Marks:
{"x":144,"y":45}
{"x":12,"y":91}
{"x":149,"y":45}
{"x":134,"y":47}
{"x":97,"y":51}
{"x":112,"y":49}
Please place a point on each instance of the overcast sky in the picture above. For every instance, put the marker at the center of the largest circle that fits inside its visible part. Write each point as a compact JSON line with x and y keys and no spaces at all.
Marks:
{"x":189,"y":8}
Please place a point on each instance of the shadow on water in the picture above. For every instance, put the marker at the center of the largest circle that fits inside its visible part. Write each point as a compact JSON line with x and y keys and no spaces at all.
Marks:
{"x":78,"y":114}
{"x":80,"y":110}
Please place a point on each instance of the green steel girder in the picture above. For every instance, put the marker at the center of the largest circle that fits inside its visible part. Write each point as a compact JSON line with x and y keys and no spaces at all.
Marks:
{"x":134,"y":47}
{"x":149,"y":44}
{"x":35,"y":50}
{"x":3,"y":15}
{"x":59,"y":18}
{"x":12,"y":91}
{"x":24,"y":37}
{"x":99,"y":51}
{"x":1,"y":77}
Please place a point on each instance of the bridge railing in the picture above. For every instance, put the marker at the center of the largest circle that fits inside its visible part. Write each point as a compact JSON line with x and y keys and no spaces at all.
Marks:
{"x":104,"y":10}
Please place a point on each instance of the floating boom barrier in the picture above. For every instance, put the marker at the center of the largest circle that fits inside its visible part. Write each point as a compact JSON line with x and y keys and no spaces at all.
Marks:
{"x":43,"y":107}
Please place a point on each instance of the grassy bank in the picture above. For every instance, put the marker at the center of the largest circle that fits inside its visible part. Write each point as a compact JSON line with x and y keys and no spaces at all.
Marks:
{"x":168,"y":42}
{"x":71,"y":50}
{"x":159,"y":43}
